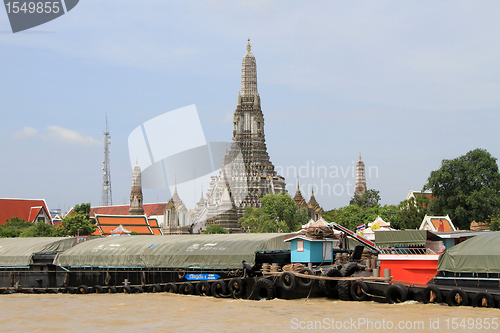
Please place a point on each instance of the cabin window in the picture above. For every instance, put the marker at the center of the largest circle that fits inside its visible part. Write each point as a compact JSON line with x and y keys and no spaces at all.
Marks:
{"x":300,"y":246}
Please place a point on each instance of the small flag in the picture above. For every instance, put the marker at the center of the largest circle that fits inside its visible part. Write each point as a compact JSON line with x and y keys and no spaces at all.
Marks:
{"x":360,"y":228}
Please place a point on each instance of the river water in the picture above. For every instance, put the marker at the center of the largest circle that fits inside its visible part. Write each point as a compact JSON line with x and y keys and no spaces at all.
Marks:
{"x":180,"y":313}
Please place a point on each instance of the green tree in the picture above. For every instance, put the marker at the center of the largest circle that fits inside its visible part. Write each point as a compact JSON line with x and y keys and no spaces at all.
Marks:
{"x":215,"y":229}
{"x":278,"y":214}
{"x":369,"y":199}
{"x":78,"y":221}
{"x":467,"y":188}
{"x":14,"y":227}
{"x":412,"y":212}
{"x":252,"y":217}
{"x":39,"y":229}
{"x":281,"y":214}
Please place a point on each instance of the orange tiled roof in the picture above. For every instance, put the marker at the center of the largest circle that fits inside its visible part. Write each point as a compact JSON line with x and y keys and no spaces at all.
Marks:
{"x":137,"y":223}
{"x":441,"y":224}
{"x":21,"y":208}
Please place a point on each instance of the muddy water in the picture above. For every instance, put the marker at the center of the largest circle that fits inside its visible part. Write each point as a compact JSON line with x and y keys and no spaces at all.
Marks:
{"x":178,"y":313}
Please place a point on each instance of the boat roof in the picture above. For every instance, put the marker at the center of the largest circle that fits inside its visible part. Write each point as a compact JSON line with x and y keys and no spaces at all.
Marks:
{"x":479,"y":254}
{"x":180,"y":251}
{"x":20,"y":251}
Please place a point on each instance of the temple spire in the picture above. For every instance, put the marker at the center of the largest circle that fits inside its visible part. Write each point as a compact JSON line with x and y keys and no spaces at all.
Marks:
{"x":248,"y":74}
{"x":360,"y":188}
{"x":136,"y":192}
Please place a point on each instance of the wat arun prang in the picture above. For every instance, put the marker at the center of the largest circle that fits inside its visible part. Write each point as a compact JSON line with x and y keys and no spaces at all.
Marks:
{"x":248,"y":173}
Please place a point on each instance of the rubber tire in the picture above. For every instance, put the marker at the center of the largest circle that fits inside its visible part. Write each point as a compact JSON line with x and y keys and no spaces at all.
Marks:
{"x":450,"y":298}
{"x":330,"y":287}
{"x":344,"y":289}
{"x":426,"y":295}
{"x":219,"y":288}
{"x":40,"y":291}
{"x":155,"y":288}
{"x":82,"y":289}
{"x":126,"y":290}
{"x":355,"y":287}
{"x":8,"y":292}
{"x":239,"y":291}
{"x":97,"y":289}
{"x":137,"y":289}
{"x":28,"y":291}
{"x":69,"y":290}
{"x":263,"y":289}
{"x":203,"y":288}
{"x":112,"y":290}
{"x":288,"y":281}
{"x":305,"y":282}
{"x":171,"y":288}
{"x":477,"y":300}
{"x":350,"y":269}
{"x":51,"y":291}
{"x":396,"y":293}
{"x":186,"y":288}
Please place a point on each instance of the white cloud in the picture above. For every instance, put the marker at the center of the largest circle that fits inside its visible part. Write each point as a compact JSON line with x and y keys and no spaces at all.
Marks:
{"x":58,"y":134}
{"x":26,"y":132}
{"x":70,"y":137}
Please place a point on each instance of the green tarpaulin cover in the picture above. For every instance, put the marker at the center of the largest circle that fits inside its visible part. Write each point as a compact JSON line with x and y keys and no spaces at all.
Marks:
{"x":207,"y":251}
{"x":19,"y":251}
{"x":480,"y":254}
{"x":400,"y":238}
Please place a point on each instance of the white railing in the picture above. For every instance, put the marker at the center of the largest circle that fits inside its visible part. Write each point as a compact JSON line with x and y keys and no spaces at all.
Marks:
{"x":406,"y":250}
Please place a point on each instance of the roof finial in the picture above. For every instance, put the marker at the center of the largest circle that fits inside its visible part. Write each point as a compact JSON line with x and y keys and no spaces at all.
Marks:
{"x":360,"y":156}
{"x":249,"y":47}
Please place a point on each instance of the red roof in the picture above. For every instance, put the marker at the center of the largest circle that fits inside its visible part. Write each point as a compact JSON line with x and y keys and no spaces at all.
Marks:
{"x":149,"y":210}
{"x":25,"y":209}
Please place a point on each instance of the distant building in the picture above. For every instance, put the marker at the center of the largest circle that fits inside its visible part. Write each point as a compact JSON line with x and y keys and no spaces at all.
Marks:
{"x":437,"y":223}
{"x":417,"y":194}
{"x":106,"y":225}
{"x":314,"y":210}
{"x":29,"y":210}
{"x":176,"y":216}
{"x":360,"y":187}
{"x":136,"y":199}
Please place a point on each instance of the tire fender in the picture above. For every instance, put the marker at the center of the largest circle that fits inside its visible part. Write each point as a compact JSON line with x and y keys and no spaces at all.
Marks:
{"x":219,"y":288}
{"x":457,"y":297}
{"x":396,"y":293}
{"x":432,"y":294}
{"x":359,"y":291}
{"x":288,"y":281}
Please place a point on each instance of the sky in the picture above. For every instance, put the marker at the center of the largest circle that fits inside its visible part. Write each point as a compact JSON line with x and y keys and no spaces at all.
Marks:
{"x":405,"y":83}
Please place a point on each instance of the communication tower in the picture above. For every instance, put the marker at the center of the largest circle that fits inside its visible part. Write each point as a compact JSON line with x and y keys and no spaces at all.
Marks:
{"x":106,"y":197}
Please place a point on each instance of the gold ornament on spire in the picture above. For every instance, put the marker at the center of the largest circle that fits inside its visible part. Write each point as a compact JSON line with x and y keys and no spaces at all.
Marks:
{"x":249,"y":47}
{"x":360,"y":156}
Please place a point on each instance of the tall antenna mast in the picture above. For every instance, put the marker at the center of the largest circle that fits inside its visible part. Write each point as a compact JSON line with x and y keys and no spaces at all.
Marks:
{"x":106,"y":197}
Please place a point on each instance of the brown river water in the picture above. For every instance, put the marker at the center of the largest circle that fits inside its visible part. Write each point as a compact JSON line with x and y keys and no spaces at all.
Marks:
{"x":180,"y":313}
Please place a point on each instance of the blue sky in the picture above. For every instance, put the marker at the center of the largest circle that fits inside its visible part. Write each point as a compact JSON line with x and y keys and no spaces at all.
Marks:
{"x":406,"y":83}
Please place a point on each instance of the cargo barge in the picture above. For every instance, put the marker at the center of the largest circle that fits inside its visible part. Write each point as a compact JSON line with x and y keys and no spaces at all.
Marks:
{"x":282,"y":265}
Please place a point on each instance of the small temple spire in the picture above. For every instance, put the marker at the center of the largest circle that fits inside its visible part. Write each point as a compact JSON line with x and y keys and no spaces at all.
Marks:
{"x":360,"y":187}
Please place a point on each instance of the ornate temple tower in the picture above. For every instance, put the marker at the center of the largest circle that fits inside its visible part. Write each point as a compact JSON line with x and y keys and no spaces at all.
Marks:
{"x":248,"y":179}
{"x":360,"y":188}
{"x":136,"y":192}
